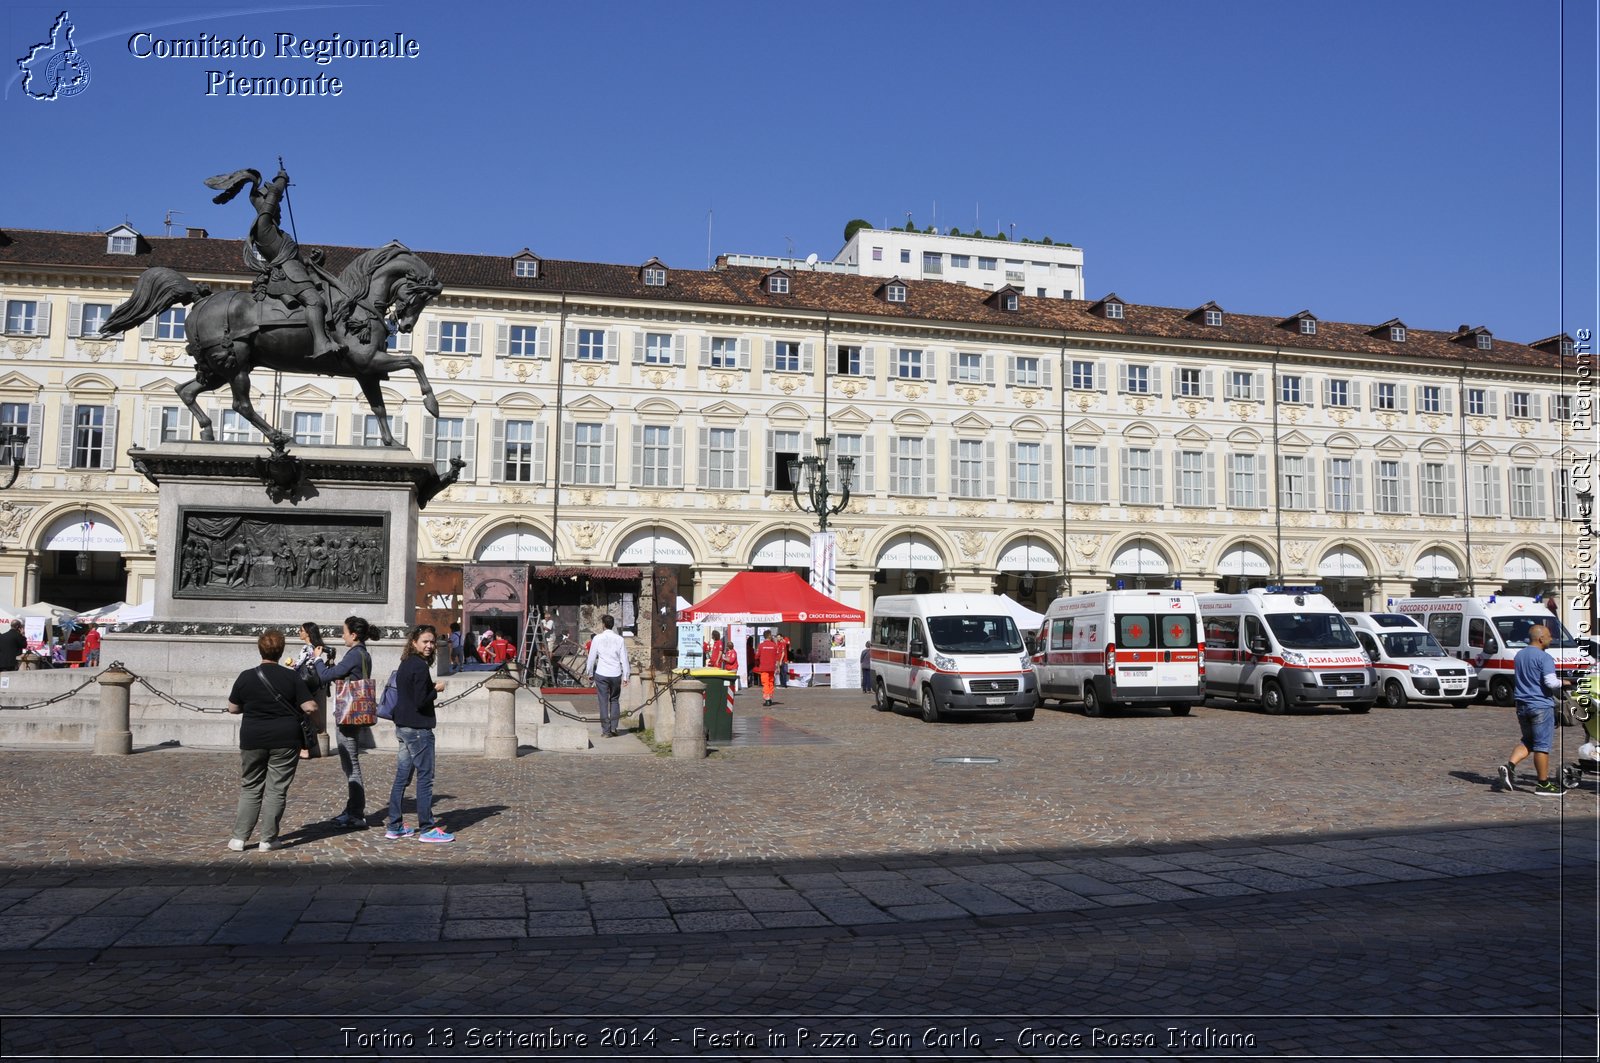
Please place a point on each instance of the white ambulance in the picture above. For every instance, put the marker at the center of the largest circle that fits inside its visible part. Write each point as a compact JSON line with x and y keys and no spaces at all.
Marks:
{"x":1487,"y":632}
{"x":1411,"y":664}
{"x":1122,"y":648}
{"x":948,"y":654}
{"x":1284,"y":646}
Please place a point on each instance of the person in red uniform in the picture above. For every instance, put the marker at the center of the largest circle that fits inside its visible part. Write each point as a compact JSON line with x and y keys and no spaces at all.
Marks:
{"x":783,"y":659}
{"x":767,"y":665}
{"x":501,"y":649}
{"x":91,"y":647}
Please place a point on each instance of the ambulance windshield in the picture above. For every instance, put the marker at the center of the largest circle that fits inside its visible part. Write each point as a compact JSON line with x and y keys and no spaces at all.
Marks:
{"x":1514,"y":631}
{"x":1312,"y":631}
{"x":975,"y":634}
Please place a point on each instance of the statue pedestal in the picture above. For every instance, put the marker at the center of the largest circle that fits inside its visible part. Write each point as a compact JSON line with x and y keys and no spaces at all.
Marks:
{"x":246,"y":539}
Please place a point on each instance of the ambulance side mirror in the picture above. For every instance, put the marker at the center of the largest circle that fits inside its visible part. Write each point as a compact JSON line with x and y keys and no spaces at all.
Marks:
{"x":1258,"y":646}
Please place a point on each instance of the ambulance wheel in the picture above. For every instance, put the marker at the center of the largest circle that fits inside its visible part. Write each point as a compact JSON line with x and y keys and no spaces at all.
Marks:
{"x":1394,"y":694}
{"x":930,"y":705}
{"x":880,"y":697}
{"x":1181,"y":710}
{"x":1460,"y":704}
{"x":1024,"y":715}
{"x":1361,"y":710}
{"x":1272,"y":699}
{"x":1091,"y":702}
{"x":1500,"y":691}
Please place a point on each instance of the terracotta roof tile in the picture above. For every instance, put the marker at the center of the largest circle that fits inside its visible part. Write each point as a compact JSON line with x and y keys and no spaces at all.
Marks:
{"x":742,"y":287}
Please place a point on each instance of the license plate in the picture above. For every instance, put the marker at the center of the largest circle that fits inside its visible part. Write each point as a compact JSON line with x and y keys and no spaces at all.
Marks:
{"x":1344,"y":693}
{"x":994,"y":701}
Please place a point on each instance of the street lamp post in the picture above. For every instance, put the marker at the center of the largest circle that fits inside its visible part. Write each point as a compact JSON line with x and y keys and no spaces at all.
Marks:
{"x":811,"y":474}
{"x":13,"y":451}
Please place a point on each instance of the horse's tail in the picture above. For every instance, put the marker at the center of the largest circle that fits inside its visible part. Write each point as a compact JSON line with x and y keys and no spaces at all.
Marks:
{"x":157,"y":289}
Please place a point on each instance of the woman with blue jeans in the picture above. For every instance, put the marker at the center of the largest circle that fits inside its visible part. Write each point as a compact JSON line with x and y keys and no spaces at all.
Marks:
{"x":414,"y":720}
{"x":355,"y":664}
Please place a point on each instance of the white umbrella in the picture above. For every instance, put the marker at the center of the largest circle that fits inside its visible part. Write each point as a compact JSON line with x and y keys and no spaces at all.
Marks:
{"x":131,"y":613}
{"x":51,"y":612}
{"x":106,"y":614}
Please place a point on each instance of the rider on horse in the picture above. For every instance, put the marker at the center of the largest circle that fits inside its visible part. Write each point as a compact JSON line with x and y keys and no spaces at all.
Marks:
{"x":286,"y":272}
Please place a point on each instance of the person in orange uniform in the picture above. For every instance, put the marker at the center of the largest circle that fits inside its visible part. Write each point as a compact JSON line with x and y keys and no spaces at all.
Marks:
{"x":767,"y":654}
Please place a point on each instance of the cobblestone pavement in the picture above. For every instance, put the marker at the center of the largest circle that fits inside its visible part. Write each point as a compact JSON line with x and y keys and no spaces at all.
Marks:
{"x":1321,"y":884}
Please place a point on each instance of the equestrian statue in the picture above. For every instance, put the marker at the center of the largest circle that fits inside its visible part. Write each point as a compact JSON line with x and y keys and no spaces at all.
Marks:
{"x":297,"y":317}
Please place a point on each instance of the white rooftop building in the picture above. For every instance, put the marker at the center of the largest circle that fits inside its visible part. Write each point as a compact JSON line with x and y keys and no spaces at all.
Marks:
{"x":1052,"y":271}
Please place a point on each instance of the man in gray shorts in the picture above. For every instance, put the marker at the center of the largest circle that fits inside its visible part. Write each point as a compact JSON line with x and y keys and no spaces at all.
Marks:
{"x":1535,"y":691}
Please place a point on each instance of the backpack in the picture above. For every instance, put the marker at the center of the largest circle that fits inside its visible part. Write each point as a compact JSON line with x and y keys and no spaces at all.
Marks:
{"x":389,"y":698}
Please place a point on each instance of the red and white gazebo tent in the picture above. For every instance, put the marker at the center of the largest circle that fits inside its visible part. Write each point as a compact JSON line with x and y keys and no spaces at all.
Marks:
{"x":770,"y":598}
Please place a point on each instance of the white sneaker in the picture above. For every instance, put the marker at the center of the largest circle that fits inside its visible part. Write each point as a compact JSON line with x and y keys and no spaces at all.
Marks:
{"x":236,"y":844}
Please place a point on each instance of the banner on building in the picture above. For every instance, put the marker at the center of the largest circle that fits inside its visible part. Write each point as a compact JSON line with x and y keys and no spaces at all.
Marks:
{"x":823,"y":577}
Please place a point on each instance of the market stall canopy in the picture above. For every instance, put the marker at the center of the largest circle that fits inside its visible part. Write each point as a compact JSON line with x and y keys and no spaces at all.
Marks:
{"x":1027,"y":619}
{"x":771,"y":598}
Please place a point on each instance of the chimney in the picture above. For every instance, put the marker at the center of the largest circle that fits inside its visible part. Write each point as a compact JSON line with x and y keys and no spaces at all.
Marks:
{"x":193,"y":233}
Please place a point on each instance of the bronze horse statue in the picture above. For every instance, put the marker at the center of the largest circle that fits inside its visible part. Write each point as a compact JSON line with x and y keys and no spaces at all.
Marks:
{"x":231,"y":333}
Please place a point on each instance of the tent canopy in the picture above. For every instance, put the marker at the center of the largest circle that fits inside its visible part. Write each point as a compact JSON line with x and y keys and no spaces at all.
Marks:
{"x":1026,"y":618}
{"x":771,"y":598}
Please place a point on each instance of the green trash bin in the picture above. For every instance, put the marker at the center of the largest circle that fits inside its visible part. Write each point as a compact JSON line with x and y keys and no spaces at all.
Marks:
{"x":719,"y":718}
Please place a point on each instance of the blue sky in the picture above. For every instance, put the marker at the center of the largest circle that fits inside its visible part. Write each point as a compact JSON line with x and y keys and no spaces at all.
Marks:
{"x":1365,"y":160}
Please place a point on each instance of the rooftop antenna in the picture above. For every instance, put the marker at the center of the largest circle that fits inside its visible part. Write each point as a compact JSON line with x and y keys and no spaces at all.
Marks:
{"x":708,"y":238}
{"x":789,"y":242}
{"x":936,"y":217}
{"x":1013,"y":232}
{"x":168,"y":219}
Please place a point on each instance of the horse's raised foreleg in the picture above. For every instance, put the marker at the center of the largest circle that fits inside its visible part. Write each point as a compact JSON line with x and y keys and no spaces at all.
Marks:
{"x":241,"y":405}
{"x":189,"y":393}
{"x":393,"y":363}
{"x":374,"y":395}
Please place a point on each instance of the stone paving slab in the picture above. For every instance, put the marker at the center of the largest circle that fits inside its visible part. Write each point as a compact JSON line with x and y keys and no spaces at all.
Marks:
{"x":856,"y":839}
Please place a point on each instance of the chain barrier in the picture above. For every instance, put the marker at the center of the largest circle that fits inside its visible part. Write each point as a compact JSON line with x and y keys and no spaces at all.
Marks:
{"x":59,"y":697}
{"x":168,"y":698}
{"x":527,"y":680}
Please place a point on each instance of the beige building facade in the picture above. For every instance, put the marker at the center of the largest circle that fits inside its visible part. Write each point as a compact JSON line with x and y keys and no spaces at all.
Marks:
{"x":615,"y":415}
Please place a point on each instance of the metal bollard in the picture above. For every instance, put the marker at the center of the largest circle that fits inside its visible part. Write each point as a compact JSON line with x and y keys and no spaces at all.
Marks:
{"x":112,"y":737}
{"x":501,"y":741}
{"x":689,"y":724}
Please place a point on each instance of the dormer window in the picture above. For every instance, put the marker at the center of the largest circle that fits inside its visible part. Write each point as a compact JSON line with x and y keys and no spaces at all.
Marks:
{"x":1004,"y":299}
{"x":1485,"y":341}
{"x":778,"y":284}
{"x":123,"y":240}
{"x":1213,"y":317}
{"x":1308,"y":326}
{"x":1114,"y":311}
{"x":654,"y":274}
{"x":1566,"y":348}
{"x":525,"y":264}
{"x":1397,"y":333}
{"x":894,"y":292}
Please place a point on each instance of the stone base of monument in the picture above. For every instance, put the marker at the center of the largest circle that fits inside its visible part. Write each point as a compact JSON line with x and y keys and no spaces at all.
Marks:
{"x":155,"y":720}
{"x":251,"y":537}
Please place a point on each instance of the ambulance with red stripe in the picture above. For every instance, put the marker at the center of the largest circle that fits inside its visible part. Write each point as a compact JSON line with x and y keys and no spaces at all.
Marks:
{"x":1284,"y":646}
{"x":949,"y":654}
{"x":1113,"y":649}
{"x":1488,"y":632}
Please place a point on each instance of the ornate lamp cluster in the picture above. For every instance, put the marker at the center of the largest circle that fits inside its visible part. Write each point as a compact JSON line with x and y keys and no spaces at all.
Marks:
{"x":810,"y":474}
{"x":13,"y":451}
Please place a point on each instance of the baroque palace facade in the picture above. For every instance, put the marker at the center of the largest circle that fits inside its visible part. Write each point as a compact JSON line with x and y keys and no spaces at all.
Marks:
{"x":617,"y":415}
